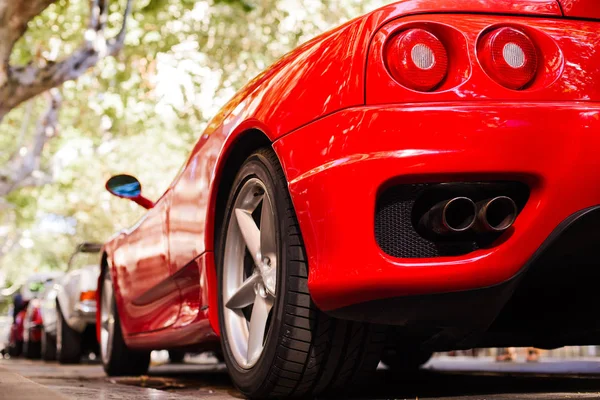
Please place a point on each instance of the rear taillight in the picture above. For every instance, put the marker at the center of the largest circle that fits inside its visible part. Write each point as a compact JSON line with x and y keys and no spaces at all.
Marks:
{"x":509,"y":57}
{"x":417,"y":59}
{"x":36,"y":316}
{"x":89,"y":295}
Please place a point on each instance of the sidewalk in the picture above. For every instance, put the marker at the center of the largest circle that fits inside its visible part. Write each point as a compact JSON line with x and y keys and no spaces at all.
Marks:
{"x":15,"y":387}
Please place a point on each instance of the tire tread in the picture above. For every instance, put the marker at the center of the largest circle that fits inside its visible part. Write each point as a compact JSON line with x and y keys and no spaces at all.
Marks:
{"x":336,"y":352}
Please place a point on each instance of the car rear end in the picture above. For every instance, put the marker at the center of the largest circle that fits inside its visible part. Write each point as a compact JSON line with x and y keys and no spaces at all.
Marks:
{"x":458,"y":105}
{"x":85,"y":308}
{"x":32,"y":323}
{"x":77,"y":297}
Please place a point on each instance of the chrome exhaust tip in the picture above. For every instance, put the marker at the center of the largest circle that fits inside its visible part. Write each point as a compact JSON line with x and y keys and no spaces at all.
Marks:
{"x":496,"y":215}
{"x":450,"y":216}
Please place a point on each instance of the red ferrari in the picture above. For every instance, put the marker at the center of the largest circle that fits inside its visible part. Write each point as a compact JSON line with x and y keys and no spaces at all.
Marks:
{"x":423,"y":178}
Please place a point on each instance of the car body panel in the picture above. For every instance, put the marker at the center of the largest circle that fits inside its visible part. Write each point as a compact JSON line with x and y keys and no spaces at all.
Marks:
{"x":581,"y":8}
{"x":67,"y":290}
{"x":528,"y":139}
{"x":6,"y":322}
{"x":48,"y":308}
{"x":195,"y":325}
{"x":16,"y":330}
{"x":78,"y":314}
{"x":139,"y":266}
{"x":324,"y":83}
{"x":32,"y":322}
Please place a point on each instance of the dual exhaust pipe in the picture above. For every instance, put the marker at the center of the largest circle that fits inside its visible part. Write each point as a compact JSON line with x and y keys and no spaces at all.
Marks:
{"x":461,"y":214}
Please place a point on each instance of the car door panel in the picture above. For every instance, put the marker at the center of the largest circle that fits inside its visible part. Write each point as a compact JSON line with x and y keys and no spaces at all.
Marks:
{"x":150,"y":297}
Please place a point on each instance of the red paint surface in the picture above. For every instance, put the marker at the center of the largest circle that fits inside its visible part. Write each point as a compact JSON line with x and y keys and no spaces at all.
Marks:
{"x":342,"y":127}
{"x":334,"y":180}
{"x":581,"y":8}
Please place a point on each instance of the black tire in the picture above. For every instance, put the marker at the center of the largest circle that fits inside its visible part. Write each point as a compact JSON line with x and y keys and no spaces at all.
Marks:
{"x":68,"y":341}
{"x":16,"y":349}
{"x":306,"y":352}
{"x":405,"y":359}
{"x":122,"y":361}
{"x":32,"y":350}
{"x":176,"y":356}
{"x":48,"y":347}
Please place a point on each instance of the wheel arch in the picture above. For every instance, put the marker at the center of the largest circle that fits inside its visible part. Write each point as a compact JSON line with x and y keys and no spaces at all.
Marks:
{"x":243,"y":145}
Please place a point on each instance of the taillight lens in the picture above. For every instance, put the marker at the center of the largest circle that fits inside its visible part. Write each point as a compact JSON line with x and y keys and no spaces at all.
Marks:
{"x":509,"y":57}
{"x":36,"y":316}
{"x":417,"y":59}
{"x":87,"y":295}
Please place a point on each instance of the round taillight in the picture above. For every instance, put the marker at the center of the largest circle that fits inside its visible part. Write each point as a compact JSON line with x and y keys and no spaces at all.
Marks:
{"x":417,"y":59}
{"x":509,"y":57}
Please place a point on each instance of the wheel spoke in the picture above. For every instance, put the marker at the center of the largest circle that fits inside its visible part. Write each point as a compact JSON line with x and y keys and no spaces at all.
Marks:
{"x":268,"y":241}
{"x":257,"y":328}
{"x":268,"y":246}
{"x":244,"y":295}
{"x":250,"y":233}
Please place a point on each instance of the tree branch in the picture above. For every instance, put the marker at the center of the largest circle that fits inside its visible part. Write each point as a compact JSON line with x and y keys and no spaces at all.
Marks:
{"x":116,"y":44}
{"x":14,"y":17}
{"x":20,"y":170}
{"x":28,"y":81}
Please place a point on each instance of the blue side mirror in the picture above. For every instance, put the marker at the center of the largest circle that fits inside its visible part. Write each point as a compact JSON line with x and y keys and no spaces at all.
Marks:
{"x":125,"y":186}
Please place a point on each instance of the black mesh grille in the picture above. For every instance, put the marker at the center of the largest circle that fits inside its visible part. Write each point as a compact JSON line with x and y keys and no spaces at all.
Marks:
{"x":396,"y":216}
{"x":394,"y":230}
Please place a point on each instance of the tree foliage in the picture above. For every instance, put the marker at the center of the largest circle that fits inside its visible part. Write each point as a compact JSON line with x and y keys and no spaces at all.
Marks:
{"x":138,"y":112}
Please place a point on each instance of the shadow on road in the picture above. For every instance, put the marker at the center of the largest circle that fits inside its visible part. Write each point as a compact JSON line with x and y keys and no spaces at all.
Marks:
{"x":390,"y":385}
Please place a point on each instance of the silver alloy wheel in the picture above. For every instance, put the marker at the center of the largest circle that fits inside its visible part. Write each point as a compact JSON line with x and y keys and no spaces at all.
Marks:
{"x":249,"y":278}
{"x":107,"y":319}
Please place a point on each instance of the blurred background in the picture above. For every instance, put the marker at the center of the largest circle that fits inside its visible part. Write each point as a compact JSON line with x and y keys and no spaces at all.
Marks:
{"x":139,"y":112}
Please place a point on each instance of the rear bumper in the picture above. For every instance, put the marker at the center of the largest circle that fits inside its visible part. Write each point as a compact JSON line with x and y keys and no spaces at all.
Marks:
{"x":557,"y":285}
{"x":338,"y":165}
{"x":83,"y":314}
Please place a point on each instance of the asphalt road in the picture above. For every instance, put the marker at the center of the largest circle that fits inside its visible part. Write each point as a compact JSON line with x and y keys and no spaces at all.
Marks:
{"x":444,"y":379}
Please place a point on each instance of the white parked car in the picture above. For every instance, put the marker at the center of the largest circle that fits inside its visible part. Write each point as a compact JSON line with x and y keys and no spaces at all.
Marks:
{"x":6,"y":322}
{"x":69,"y":308}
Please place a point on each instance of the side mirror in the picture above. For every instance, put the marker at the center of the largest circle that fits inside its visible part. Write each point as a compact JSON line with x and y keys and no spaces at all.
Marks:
{"x":128,"y":187}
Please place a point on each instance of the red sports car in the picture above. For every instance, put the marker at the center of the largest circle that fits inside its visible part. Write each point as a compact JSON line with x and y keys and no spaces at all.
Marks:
{"x":423,"y":178}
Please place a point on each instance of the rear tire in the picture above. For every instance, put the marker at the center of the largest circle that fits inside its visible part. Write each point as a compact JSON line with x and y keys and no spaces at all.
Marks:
{"x":117,"y":358}
{"x":305,"y":352}
{"x":68,"y":341}
{"x":32,"y":350}
{"x":16,"y":349}
{"x":48,"y":347}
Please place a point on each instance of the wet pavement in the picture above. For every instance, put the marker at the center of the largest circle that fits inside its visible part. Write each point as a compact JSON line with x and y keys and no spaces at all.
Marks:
{"x":444,"y":378}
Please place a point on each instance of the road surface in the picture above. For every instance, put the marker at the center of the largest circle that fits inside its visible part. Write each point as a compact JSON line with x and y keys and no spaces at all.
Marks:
{"x":444,"y":379}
